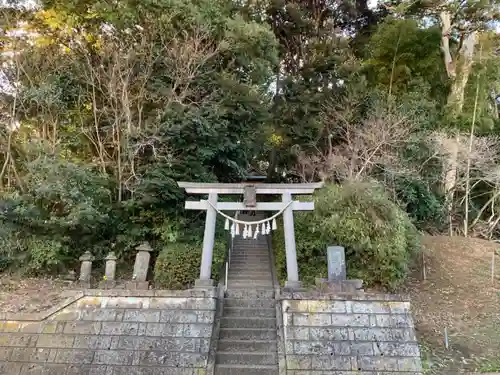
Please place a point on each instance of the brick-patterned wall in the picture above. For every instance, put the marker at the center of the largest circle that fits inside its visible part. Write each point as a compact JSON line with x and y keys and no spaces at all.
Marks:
{"x":358,"y":335}
{"x":160,"y":333}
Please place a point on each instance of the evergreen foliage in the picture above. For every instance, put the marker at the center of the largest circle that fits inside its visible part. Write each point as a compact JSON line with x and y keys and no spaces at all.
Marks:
{"x":379,"y":238}
{"x":105,"y":105}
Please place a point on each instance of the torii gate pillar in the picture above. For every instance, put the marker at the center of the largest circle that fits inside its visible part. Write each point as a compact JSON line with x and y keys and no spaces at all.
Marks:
{"x":213,"y":190}
{"x":292,"y":267}
{"x":208,"y":244}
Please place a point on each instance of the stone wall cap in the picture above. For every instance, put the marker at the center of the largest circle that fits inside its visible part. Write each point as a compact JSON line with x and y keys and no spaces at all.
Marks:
{"x":188,"y":293}
{"x":343,"y":296}
{"x":74,"y":295}
{"x":145,"y":246}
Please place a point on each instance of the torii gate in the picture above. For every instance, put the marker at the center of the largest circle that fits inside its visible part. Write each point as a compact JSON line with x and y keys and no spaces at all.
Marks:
{"x":250,"y":191}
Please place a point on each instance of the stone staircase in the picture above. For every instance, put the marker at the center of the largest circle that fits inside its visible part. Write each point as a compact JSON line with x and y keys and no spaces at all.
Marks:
{"x":247,"y":339}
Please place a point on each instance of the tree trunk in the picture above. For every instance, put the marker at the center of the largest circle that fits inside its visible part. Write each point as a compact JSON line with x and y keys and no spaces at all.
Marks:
{"x":463,"y":64}
{"x":471,"y":140}
{"x":450,"y":177}
{"x":494,"y":104}
{"x":458,"y":71}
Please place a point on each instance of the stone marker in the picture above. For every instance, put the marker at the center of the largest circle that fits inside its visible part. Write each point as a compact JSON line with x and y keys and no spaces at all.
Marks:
{"x":86,"y":269}
{"x":141,"y":267}
{"x":109,"y":271}
{"x":336,"y":263}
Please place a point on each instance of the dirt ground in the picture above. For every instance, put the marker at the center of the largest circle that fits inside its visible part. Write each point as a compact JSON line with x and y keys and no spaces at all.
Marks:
{"x":30,"y":295}
{"x":459,"y":295}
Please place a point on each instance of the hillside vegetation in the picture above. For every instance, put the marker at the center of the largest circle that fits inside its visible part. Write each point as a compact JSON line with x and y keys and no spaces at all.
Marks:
{"x":105,"y":105}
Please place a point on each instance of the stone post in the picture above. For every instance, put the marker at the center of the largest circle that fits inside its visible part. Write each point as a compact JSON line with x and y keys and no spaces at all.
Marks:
{"x":292,"y":268}
{"x":110,"y":271}
{"x":208,"y":245}
{"x":86,"y":269}
{"x":336,"y":263}
{"x":337,"y":281}
{"x":141,"y":266}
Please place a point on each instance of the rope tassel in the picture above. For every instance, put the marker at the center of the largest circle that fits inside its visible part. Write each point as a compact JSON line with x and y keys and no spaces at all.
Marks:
{"x":261,"y":226}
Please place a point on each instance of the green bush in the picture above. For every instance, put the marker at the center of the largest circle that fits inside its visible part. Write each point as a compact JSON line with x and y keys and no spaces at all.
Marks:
{"x":63,"y":212}
{"x":424,"y":206}
{"x":178,"y":264}
{"x":378,"y":236}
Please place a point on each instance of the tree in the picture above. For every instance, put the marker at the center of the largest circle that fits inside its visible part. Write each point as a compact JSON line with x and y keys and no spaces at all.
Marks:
{"x":144,"y":94}
{"x":316,"y":62}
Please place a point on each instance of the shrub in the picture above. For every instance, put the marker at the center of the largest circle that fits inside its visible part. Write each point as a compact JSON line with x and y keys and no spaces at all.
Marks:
{"x":178,"y":264}
{"x":425,"y":207}
{"x":378,"y":236}
{"x":62,"y":213}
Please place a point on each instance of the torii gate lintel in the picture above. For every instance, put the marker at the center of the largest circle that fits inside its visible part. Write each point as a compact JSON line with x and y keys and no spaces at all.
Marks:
{"x":250,"y":191}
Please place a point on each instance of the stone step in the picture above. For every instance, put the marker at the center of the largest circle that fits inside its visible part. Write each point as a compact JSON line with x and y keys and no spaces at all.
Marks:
{"x":243,"y":286}
{"x":242,"y":276}
{"x":251,"y":265}
{"x":247,"y":322}
{"x":254,"y":265}
{"x":251,"y":275}
{"x":242,"y":248}
{"x":250,"y":261}
{"x":244,"y":251}
{"x":248,"y":273}
{"x":250,"y":284}
{"x":246,"y":370}
{"x":248,"y":251}
{"x":235,"y":286}
{"x":250,"y":245}
{"x":247,"y":346}
{"x":247,"y":283}
{"x":250,"y":256}
{"x":246,"y":358}
{"x":247,"y":334}
{"x":260,"y":312}
{"x":250,"y":281}
{"x":244,"y":293}
{"x":245,"y":275}
{"x":250,"y":303}
{"x":249,"y":268}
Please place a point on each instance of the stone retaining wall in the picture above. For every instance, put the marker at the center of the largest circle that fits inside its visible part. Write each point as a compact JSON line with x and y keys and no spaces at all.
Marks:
{"x":112,"y":333}
{"x":362,"y":334}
